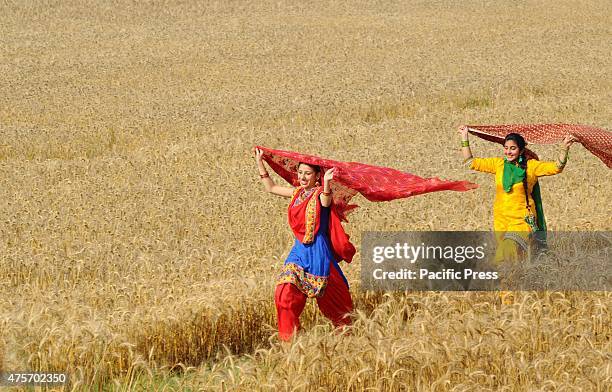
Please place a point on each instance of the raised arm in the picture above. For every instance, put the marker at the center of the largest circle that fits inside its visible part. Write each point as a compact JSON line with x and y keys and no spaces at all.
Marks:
{"x":551,"y":168}
{"x":564,"y":149}
{"x":326,"y":196}
{"x":485,"y":165}
{"x":466,"y":151}
{"x":269,"y":184}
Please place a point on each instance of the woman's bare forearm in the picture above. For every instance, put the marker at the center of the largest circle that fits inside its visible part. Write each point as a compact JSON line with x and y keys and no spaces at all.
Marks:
{"x":267,"y":181}
{"x":466,"y":151}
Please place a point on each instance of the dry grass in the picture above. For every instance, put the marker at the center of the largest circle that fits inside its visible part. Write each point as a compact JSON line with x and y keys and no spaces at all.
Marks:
{"x":440,"y":341}
{"x":135,"y":236}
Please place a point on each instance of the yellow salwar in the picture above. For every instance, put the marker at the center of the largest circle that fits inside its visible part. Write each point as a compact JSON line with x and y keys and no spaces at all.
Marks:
{"x":512,"y":233}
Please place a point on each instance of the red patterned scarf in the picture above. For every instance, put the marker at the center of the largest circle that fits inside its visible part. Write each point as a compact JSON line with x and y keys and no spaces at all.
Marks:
{"x":375,"y":183}
{"x":305,"y":218}
{"x":596,"y":140}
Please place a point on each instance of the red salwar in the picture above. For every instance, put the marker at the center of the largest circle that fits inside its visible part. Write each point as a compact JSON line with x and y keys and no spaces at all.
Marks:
{"x":335,"y":304}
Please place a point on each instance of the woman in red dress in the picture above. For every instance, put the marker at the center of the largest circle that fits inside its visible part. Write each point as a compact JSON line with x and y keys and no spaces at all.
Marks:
{"x":311,"y":269}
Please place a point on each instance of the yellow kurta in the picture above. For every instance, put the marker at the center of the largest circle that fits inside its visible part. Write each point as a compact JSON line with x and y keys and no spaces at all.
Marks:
{"x":509,"y":208}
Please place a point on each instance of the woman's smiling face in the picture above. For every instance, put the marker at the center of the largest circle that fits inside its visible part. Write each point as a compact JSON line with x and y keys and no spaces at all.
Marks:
{"x":307,"y":175}
{"x":511,"y":151}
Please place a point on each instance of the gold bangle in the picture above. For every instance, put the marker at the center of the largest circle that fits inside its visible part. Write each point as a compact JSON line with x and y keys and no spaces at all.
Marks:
{"x":327,"y":193}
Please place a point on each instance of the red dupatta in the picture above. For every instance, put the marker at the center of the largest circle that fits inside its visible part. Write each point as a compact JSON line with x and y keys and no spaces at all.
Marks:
{"x":305,"y":218}
{"x":597,"y":140}
{"x":375,"y":183}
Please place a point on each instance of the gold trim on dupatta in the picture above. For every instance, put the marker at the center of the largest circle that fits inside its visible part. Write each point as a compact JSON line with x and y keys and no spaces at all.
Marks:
{"x":311,"y":218}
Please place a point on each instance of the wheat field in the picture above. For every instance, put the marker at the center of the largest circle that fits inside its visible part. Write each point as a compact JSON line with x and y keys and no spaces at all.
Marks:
{"x":138,"y":249}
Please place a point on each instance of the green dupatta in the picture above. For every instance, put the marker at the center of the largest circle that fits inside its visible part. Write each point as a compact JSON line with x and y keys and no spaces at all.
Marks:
{"x":514,"y":174}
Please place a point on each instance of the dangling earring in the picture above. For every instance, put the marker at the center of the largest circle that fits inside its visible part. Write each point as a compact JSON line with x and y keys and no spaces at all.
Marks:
{"x":521,"y":159}
{"x":317,"y":183}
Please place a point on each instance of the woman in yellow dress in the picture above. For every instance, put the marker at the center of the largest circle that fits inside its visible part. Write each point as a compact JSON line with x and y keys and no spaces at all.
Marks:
{"x":517,"y":212}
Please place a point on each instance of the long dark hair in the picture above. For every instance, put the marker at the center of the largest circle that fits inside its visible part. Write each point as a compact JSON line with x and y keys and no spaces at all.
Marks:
{"x":522,"y":160}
